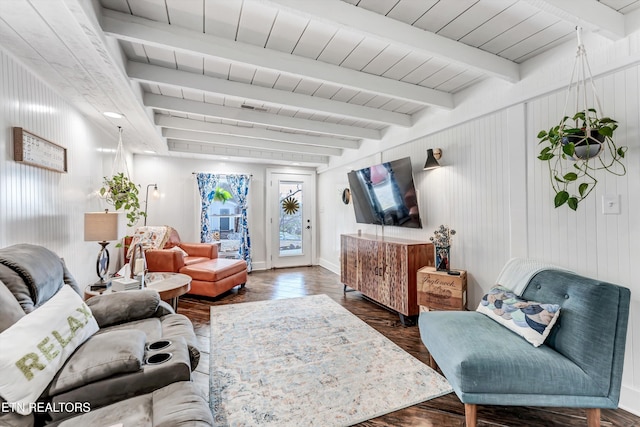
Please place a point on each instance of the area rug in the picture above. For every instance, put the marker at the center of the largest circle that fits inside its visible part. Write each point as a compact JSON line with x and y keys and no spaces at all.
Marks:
{"x":308,"y":362}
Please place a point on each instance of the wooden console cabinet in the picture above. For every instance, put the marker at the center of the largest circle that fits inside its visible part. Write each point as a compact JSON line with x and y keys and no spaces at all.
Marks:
{"x":385,"y":270}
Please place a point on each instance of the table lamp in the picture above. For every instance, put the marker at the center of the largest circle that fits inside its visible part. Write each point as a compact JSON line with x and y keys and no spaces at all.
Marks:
{"x":101,"y":227}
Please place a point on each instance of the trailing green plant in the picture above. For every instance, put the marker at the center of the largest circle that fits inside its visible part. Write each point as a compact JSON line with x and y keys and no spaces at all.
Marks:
{"x":120,"y":192}
{"x":221,"y":195}
{"x":575,"y":149}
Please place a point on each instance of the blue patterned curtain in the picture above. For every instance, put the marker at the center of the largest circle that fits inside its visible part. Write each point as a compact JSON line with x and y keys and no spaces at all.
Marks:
{"x":207,"y":182}
{"x":240,"y":189}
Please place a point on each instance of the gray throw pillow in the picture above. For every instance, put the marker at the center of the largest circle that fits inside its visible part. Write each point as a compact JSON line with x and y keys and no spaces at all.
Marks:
{"x":10,"y":309}
{"x":121,"y":307}
{"x":102,"y":356}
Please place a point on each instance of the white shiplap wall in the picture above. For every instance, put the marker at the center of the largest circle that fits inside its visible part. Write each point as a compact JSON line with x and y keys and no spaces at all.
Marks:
{"x":497,"y":195}
{"x":465,"y":195}
{"x":36,"y":205}
{"x":606,"y":247}
{"x":587,"y":240}
{"x":334,"y":217}
{"x":468,"y":194}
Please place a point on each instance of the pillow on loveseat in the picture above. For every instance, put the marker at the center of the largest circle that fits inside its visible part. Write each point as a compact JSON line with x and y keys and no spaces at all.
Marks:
{"x":150,"y":237}
{"x":36,"y":346}
{"x":531,"y":320}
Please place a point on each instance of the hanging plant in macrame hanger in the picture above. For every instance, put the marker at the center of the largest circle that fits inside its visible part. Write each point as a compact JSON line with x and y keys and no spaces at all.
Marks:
{"x":581,"y":144}
{"x":118,"y":190}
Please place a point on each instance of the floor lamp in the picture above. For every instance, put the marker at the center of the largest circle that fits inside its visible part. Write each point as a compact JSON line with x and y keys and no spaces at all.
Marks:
{"x":156,"y":194}
{"x":101,"y":227}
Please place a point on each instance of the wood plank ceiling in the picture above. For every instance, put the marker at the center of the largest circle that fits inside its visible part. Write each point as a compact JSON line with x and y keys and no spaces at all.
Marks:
{"x":284,"y":81}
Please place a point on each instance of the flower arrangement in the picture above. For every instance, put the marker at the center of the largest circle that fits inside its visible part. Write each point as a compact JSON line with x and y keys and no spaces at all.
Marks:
{"x":441,"y":239}
{"x":442,"y":236}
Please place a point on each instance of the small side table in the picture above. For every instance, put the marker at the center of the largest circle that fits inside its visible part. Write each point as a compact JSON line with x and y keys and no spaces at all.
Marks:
{"x":169,"y":285}
{"x":439,"y":290}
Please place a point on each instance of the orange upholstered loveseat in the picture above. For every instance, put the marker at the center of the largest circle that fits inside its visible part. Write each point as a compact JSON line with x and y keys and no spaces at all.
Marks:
{"x":210,"y":275}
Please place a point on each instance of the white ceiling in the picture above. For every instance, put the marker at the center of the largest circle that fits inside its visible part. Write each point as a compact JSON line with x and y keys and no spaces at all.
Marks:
{"x":284,"y":81}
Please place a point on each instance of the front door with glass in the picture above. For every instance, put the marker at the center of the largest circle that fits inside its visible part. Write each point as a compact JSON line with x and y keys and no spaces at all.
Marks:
{"x":291,"y":215}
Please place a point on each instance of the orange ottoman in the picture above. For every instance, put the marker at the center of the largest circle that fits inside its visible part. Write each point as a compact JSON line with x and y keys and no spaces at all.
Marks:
{"x":214,"y":277}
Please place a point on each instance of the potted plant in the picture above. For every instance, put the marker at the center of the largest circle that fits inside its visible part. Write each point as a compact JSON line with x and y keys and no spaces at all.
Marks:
{"x":575,"y":149}
{"x":121,"y":192}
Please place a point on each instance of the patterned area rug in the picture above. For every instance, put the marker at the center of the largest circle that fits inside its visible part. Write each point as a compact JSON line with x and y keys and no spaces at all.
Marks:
{"x":308,"y":362}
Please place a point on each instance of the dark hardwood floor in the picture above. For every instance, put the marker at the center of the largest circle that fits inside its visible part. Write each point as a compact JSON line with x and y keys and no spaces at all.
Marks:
{"x":443,"y":411}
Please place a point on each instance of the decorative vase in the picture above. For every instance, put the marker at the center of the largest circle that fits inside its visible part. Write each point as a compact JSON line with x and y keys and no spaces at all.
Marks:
{"x":442,"y":258}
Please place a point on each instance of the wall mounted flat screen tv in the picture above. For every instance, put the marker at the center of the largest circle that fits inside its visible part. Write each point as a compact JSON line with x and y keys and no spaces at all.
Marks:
{"x":385,"y":194}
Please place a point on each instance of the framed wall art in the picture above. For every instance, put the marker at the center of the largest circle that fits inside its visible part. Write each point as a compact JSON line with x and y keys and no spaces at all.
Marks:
{"x":34,"y":150}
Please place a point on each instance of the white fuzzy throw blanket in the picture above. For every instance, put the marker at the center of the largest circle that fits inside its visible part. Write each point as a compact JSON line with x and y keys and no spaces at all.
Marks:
{"x":517,"y":273}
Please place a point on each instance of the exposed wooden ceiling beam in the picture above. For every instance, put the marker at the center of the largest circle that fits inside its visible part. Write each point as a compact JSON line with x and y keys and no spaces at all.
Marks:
{"x":251,"y":132}
{"x":182,"y":79}
{"x":186,"y":106}
{"x":632,"y":22}
{"x":61,"y":42}
{"x":237,"y":141}
{"x":139,"y":30}
{"x":352,"y":18}
{"x":589,"y":14}
{"x":225,"y":150}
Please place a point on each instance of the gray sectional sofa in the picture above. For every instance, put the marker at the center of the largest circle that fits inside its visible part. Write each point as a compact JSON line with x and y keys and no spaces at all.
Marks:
{"x":123,"y":358}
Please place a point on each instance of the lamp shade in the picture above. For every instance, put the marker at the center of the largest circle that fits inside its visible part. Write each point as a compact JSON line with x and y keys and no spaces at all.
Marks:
{"x":101,"y":226}
{"x":431,"y":162}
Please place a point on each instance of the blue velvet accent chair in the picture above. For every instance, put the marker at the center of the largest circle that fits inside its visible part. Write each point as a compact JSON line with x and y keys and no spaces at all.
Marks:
{"x":579,"y":365}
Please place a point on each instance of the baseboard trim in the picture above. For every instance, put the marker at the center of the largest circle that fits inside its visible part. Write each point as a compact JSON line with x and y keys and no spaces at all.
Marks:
{"x":329,"y":266}
{"x":258,"y":266}
{"x":630,"y":400}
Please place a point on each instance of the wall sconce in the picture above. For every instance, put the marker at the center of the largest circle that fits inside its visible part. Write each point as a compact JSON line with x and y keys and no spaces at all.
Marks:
{"x":156,"y":195}
{"x":101,"y":227}
{"x":433,"y":155}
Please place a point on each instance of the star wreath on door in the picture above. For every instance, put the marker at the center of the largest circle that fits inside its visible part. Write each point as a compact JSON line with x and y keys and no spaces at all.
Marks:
{"x":290,"y":205}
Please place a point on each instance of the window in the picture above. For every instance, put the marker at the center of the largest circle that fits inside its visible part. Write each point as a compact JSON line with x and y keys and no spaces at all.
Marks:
{"x":225,"y":216}
{"x":290,"y":220}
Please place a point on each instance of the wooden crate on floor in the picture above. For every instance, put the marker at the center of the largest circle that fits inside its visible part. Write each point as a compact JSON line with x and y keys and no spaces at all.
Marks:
{"x":438,"y":290}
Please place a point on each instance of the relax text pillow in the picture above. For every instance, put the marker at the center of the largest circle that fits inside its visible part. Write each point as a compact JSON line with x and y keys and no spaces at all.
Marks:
{"x":36,"y":346}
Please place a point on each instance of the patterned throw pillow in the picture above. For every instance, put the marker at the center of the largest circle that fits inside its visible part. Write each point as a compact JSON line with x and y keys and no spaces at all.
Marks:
{"x":178,"y":249}
{"x":151,"y":237}
{"x":531,"y":320}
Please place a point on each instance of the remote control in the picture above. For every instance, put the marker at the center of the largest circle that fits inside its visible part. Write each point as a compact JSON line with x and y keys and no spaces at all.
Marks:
{"x":453,"y":273}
